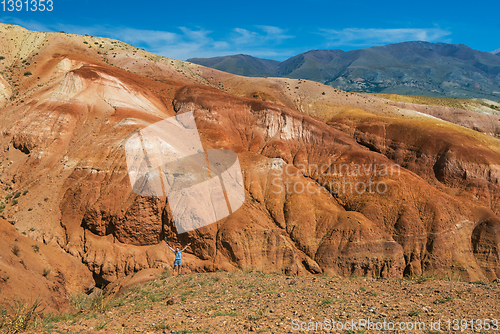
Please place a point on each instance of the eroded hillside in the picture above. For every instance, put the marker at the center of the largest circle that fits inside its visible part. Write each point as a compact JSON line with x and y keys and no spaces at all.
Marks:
{"x":70,"y":103}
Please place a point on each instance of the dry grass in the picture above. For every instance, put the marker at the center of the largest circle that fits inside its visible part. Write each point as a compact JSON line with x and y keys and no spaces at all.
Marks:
{"x":427,"y":100}
{"x":95,"y":303}
{"x":19,"y":315}
{"x":234,"y":302}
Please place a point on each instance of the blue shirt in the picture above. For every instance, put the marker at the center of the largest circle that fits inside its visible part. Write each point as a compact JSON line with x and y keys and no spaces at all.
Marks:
{"x":178,"y":254}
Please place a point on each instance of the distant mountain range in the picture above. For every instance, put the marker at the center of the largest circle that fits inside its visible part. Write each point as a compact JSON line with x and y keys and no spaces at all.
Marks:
{"x":414,"y":68}
{"x":240,"y":64}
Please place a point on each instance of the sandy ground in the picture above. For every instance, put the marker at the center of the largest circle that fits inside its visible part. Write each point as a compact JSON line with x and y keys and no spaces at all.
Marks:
{"x":253,"y":302}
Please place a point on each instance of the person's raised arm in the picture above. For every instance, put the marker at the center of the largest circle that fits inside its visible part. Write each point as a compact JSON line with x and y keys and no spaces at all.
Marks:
{"x":168,"y":245}
{"x":189,"y":244}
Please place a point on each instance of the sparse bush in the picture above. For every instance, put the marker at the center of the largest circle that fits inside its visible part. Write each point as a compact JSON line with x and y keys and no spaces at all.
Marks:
{"x":443,"y":300}
{"x":16,"y":250}
{"x":19,"y":316}
{"x":162,"y":326}
{"x":258,"y":315}
{"x":25,"y":192}
{"x":36,"y":249}
{"x":8,"y":197}
{"x":98,"y":302}
{"x":27,"y":73}
{"x":46,"y":272}
{"x":166,"y":273}
{"x":16,"y":195}
{"x":3,"y":317}
{"x":80,"y":302}
{"x":414,"y":313}
{"x":101,"y":325}
{"x":225,"y":314}
{"x":480,"y":282}
{"x":423,"y":278}
{"x":327,"y":301}
{"x":14,"y":201}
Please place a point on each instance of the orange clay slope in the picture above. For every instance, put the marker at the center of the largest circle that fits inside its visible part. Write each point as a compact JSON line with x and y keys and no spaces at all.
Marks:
{"x":64,"y":126}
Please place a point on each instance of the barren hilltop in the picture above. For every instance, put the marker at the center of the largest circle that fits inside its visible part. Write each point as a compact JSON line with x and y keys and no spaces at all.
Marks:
{"x":70,"y":219}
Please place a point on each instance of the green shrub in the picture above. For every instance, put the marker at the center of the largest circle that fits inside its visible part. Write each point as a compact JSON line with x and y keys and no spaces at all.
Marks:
{"x":19,"y":316}
{"x":16,"y":250}
{"x":80,"y":302}
{"x":2,"y":57}
{"x":16,"y":195}
{"x":327,"y":301}
{"x":414,"y":313}
{"x":14,"y":202}
{"x":225,"y":314}
{"x":27,"y":73}
{"x":444,"y":300}
{"x":101,"y":325}
{"x":98,"y":302}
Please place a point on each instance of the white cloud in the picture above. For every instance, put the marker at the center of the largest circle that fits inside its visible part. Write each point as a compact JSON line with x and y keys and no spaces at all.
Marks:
{"x":244,"y":36}
{"x":267,"y":34}
{"x":275,"y":33}
{"x":184,"y":42}
{"x":371,"y":36}
{"x":144,"y":36}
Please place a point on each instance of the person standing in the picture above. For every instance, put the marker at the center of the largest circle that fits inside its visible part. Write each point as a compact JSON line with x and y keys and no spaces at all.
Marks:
{"x":178,"y":255}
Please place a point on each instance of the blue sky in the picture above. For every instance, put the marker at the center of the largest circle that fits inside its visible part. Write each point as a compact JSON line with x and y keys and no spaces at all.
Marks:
{"x":269,"y":29}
